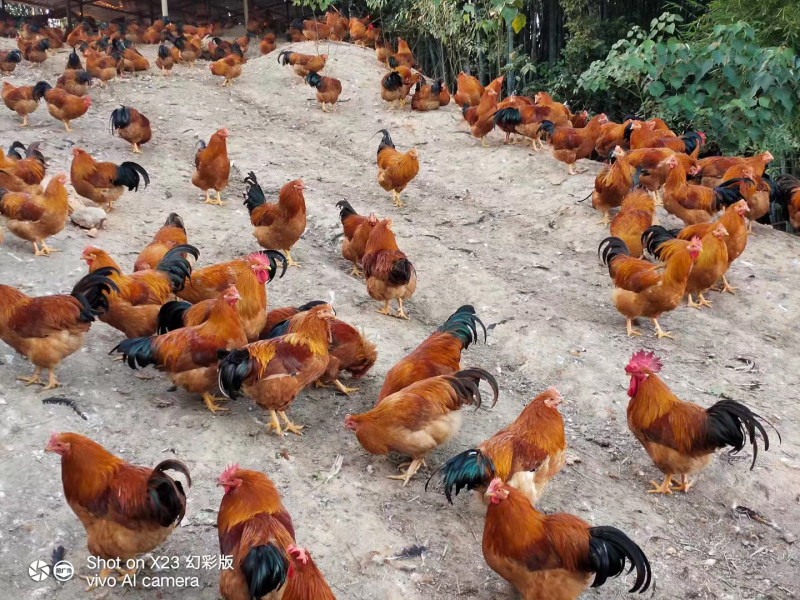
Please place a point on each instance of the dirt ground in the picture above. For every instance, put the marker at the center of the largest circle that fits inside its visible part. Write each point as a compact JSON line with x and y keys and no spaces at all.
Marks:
{"x":501,"y":228}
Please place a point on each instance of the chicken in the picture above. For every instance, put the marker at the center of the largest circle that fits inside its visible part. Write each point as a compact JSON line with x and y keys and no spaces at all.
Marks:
{"x":229,"y":67}
{"x":526,"y":455}
{"x":132,"y":126}
{"x":35,"y":218}
{"x":126,"y":510}
{"x":30,"y":169}
{"x":36,"y":51}
{"x":273,"y":372}
{"x":328,"y":89}
{"x":695,"y":203}
{"x":303,"y":64}
{"x":395,"y":170}
{"x":468,"y":90}
{"x":80,"y":33}
{"x":47,"y":329}
{"x":554,"y":556}
{"x":712,"y":263}
{"x":104,"y":182}
{"x":544,"y":99}
{"x":190,"y":49}
{"x":100,"y":66}
{"x":189,"y":354}
{"x":525,"y":118}
{"x":9,"y":60}
{"x":277,"y":226}
{"x":711,"y":170}
{"x":396,"y":85}
{"x":426,"y":97}
{"x":357,"y":230}
{"x":268,"y":44}
{"x":349,"y":349}
{"x":754,"y":188}
{"x":681,"y":437}
{"x":388,"y":272}
{"x":508,"y":115}
{"x":642,"y":289}
{"x":612,"y":135}
{"x":789,"y":198}
{"x":75,"y":82}
{"x":172,"y":234}
{"x":305,"y":580}
{"x":419,"y":418}
{"x":383,"y":51}
{"x":404,"y":56}
{"x":654,"y":168}
{"x":438,"y":354}
{"x":444,"y":95}
{"x":649,"y":137}
{"x":340,"y":26}
{"x":62,"y":105}
{"x":164,"y":60}
{"x":256,"y":271}
{"x":483,"y":122}
{"x":636,"y":214}
{"x":133,"y":309}
{"x":733,"y":219}
{"x":212,"y":166}
{"x":132,"y":60}
{"x":611,"y":185}
{"x":569,"y":144}
{"x":257,"y":531}
{"x":314,"y":30}
{"x":358,"y":31}
{"x":20,"y":100}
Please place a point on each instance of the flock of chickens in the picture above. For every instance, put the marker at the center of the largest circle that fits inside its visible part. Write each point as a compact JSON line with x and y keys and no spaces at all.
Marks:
{"x":211,"y":327}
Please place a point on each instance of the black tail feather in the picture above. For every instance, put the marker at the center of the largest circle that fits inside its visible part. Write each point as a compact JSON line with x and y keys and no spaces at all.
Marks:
{"x":393,"y":82}
{"x":138,"y":352}
{"x":509,"y":117}
{"x":386,"y":140}
{"x":610,"y":248}
{"x":92,"y":292}
{"x":466,"y":383}
{"x":177,"y":266}
{"x":233,"y":370}
{"x":64,"y":401}
{"x":469,"y":470}
{"x":547,"y":126}
{"x":254,"y":196}
{"x":654,"y":237}
{"x":609,"y":550}
{"x":128,"y":175}
{"x":461,"y":324}
{"x":265,"y":569}
{"x":170,"y":316}
{"x":401,"y":272}
{"x":731,"y":423}
{"x":121,"y":118}
{"x":166,"y":495}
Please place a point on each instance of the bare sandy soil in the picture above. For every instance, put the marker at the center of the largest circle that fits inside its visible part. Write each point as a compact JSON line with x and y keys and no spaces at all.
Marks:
{"x":498,"y":227}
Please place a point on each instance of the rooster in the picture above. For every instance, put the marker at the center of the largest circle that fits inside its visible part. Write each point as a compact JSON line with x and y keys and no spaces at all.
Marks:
{"x":132,"y":126}
{"x":553,"y":556}
{"x":9,"y":59}
{"x":75,"y":82}
{"x":681,"y":437}
{"x":357,"y":230}
{"x":636,"y":214}
{"x":328,"y":89}
{"x":62,"y":105}
{"x":387,"y":271}
{"x":569,"y":144}
{"x":104,"y":182}
{"x":255,"y":528}
{"x":171,"y":234}
{"x":47,"y":329}
{"x":20,"y":100}
{"x":395,"y":170}
{"x":189,"y":354}
{"x":526,"y":455}
{"x":126,"y":510}
{"x":695,"y":203}
{"x":439,"y":354}
{"x":273,"y":372}
{"x":642,"y":289}
{"x":419,"y":418}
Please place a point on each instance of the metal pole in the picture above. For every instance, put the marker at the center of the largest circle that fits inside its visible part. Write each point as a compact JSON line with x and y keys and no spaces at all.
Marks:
{"x":152,"y":13}
{"x":164,"y":8}
{"x":80,"y":4}
{"x":246,"y":13}
{"x":69,"y":14}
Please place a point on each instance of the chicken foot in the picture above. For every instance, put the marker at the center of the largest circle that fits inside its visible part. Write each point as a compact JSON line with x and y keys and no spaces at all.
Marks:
{"x":342,"y":388}
{"x":24,"y":121}
{"x":212,"y":403}
{"x":400,"y":313}
{"x":631,"y":330}
{"x":135,"y":148}
{"x":684,"y":485}
{"x":701,"y":301}
{"x":660,"y":333}
{"x":355,"y":272}
{"x":288,"y":425}
{"x":33,"y":379}
{"x":396,"y":196}
{"x":290,"y":261}
{"x":45,"y":250}
{"x":218,"y":201}
{"x":605,"y":220}
{"x":726,"y":287}
{"x":407,"y":475}
{"x":66,"y":126}
{"x":664,"y":488}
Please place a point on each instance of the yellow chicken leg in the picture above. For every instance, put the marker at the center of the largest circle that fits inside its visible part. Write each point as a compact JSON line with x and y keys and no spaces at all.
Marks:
{"x":726,"y":287}
{"x":66,"y":126}
{"x":407,"y":475}
{"x":400,"y":313}
{"x":135,"y":148}
{"x":52,"y":382}
{"x":342,"y":388}
{"x":571,"y":168}
{"x":288,"y":425}
{"x":290,"y":261}
{"x":660,"y":333}
{"x":605,"y":220}
{"x":46,"y":250}
{"x":664,"y":488}
{"x":631,"y":330}
{"x":274,"y":423}
{"x":684,"y":485}
{"x":33,"y":379}
{"x":211,"y":403}
{"x":385,"y":310}
{"x":24,"y":121}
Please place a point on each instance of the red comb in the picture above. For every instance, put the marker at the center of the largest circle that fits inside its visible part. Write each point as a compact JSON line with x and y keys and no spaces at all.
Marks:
{"x":229,"y":471}
{"x":258,"y":257}
{"x":644,"y":361}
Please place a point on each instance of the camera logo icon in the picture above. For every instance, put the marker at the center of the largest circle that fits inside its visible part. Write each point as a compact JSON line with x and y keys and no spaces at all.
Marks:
{"x":39,"y":570}
{"x":63,"y":571}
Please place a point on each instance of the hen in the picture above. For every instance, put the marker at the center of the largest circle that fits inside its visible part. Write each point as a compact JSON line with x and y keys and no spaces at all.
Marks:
{"x":34,"y":218}
{"x":212,"y":167}
{"x":171,"y":234}
{"x":132,"y":126}
{"x":642,"y":289}
{"x":388,"y":272}
{"x":636,"y":214}
{"x":133,"y":307}
{"x":357,"y":230}
{"x":426,"y":97}
{"x":612,"y":184}
{"x":395,"y":169}
{"x":277,"y":226}
{"x":47,"y":329}
{"x":554,"y":556}
{"x":229,"y":67}
{"x":257,"y":531}
{"x":438,"y":354}
{"x":126,"y":510}
{"x":419,"y":418}
{"x":20,"y":100}
{"x":273,"y":372}
{"x":62,"y":105}
{"x":165,"y":61}
{"x":681,"y":437}
{"x":695,"y":203}
{"x":468,"y":90}
{"x":569,"y":144}
{"x":526,"y":455}
{"x":189,"y":354}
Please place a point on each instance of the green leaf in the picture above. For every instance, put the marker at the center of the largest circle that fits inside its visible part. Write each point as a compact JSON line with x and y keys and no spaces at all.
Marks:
{"x":673,"y":44}
{"x":656,"y":88}
{"x":712,"y":87}
{"x":519,"y":22}
{"x":732,"y":76}
{"x":763,"y":101}
{"x":509,"y":13}
{"x":670,"y":28}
